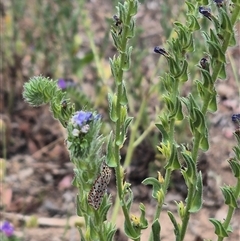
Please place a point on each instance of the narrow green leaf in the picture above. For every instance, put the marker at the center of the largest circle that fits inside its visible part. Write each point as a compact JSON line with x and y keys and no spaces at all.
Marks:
{"x":131,"y":234}
{"x":229,"y":197}
{"x":193,"y":23}
{"x":165,"y":136}
{"x":216,"y":51}
{"x":175,"y":224}
{"x":143,"y":220}
{"x":112,"y":100}
{"x":226,"y":24}
{"x":235,"y":166}
{"x":156,"y":229}
{"x":124,"y":99}
{"x":220,"y":231}
{"x":197,"y":201}
{"x":173,"y":162}
{"x":116,"y":40}
{"x":155,"y":184}
{"x":127,"y":59}
{"x":110,"y":157}
{"x":127,"y":122}
{"x":222,"y":74}
{"x":189,"y":173}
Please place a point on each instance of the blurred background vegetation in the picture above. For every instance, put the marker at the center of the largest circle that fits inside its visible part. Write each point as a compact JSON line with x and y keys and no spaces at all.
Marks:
{"x":70,"y":40}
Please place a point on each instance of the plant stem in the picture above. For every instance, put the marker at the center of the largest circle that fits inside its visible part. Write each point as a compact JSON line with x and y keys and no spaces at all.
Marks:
{"x":231,"y":209}
{"x":118,"y":123}
{"x":195,"y":149}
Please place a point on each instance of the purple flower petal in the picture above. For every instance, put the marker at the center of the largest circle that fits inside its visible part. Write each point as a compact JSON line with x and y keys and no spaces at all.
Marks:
{"x":62,"y":84}
{"x":7,"y":228}
{"x":81,"y":118}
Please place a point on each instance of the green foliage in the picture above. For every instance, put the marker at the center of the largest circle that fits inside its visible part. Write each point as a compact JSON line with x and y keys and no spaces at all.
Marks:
{"x":85,"y":143}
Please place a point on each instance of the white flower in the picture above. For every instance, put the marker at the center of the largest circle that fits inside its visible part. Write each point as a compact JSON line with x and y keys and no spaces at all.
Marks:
{"x":75,"y":132}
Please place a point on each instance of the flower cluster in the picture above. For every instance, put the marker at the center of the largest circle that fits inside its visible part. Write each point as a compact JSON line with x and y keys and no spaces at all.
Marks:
{"x":81,"y":121}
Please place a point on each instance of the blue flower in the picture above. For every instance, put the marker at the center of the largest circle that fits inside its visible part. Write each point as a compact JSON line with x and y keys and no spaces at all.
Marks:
{"x":205,"y":12}
{"x":7,"y":228}
{"x":62,"y":84}
{"x":81,"y":118}
{"x":236,"y":118}
{"x":65,"y":83}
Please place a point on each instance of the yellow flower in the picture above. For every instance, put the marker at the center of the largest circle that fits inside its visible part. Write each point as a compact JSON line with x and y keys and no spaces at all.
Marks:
{"x":135,"y":220}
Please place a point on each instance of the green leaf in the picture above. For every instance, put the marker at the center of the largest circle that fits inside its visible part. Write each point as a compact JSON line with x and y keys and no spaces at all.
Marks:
{"x":212,"y":106}
{"x":189,"y":173}
{"x":133,"y":6}
{"x":110,"y":157}
{"x":114,"y":69}
{"x":222,"y":74}
{"x":165,"y":136}
{"x":127,"y":59}
{"x":228,"y":194}
{"x":235,"y":166}
{"x":124,"y":99}
{"x":175,"y":224}
{"x":179,"y":114}
{"x":174,"y":67}
{"x":169,"y":103}
{"x":112,"y":101}
{"x":155,"y":183}
{"x":204,"y":144}
{"x":127,"y":122}
{"x":226,"y":24}
{"x":173,"y":162}
{"x":232,"y":41}
{"x":191,"y":7}
{"x":110,"y":234}
{"x":197,"y":201}
{"x":207,"y":79}
{"x":131,"y":29}
{"x":193,"y":23}
{"x":121,"y":138}
{"x":156,"y":229}
{"x":143,"y":220}
{"x":131,"y":234}
{"x":116,"y":40}
{"x":183,"y":76}
{"x":216,"y":51}
{"x":220,"y":231}
{"x":122,"y":12}
{"x":214,"y":37}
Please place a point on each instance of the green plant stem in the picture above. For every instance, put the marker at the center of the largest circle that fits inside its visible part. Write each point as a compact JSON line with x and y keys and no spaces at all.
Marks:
{"x":144,"y":134}
{"x":118,"y":125}
{"x":231,"y":209}
{"x":100,"y":234}
{"x":130,"y":150}
{"x":87,"y":24}
{"x":166,"y":183}
{"x":197,"y":136}
{"x":134,"y":129}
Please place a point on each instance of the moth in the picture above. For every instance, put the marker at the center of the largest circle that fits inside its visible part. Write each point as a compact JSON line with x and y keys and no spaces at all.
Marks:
{"x":99,"y":187}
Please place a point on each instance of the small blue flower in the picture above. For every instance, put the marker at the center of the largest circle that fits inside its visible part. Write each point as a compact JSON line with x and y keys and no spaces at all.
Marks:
{"x":205,"y":12}
{"x":81,"y":118}
{"x":236,"y":118}
{"x":7,"y":228}
{"x":161,"y":51}
{"x":62,"y":84}
{"x":65,"y":83}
